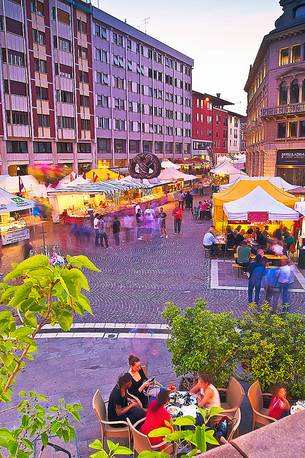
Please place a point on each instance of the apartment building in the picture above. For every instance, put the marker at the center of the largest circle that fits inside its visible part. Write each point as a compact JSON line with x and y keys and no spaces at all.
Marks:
{"x":234,"y":132}
{"x":275,"y":133}
{"x":80,"y":87}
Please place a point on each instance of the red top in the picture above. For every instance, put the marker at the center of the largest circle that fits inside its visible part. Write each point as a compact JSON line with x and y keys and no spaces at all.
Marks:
{"x":178,"y":213}
{"x":155,"y":420}
{"x":276,"y":408}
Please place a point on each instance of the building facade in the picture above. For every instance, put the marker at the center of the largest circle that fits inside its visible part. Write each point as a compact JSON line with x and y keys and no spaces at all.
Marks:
{"x":216,"y":130}
{"x":275,"y":133}
{"x":79,"y":87}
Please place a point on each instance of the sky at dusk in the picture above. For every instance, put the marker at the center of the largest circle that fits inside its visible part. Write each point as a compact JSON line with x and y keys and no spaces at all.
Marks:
{"x":222,"y":36}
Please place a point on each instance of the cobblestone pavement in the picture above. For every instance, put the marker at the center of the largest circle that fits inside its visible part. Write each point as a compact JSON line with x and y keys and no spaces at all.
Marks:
{"x":138,"y":277}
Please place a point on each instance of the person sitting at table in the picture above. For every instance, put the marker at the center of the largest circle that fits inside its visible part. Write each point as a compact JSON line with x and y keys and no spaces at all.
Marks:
{"x":277,"y":248}
{"x":239,"y":237}
{"x":206,"y":392}
{"x":120,"y":407}
{"x":139,"y":380}
{"x":156,"y":417}
{"x":278,"y":233}
{"x":289,"y":241}
{"x":210,"y":241}
{"x":230,"y":238}
{"x":257,"y":270}
{"x":250,"y":234}
{"x":243,"y":255}
{"x":279,"y":406}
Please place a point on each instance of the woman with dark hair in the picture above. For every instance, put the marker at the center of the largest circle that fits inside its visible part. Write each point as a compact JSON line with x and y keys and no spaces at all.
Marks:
{"x":120,"y":406}
{"x":156,"y":416}
{"x":139,"y":380}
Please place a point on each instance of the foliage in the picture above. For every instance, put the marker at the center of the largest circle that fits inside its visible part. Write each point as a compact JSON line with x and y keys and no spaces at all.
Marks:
{"x":34,"y":294}
{"x":114,"y":449}
{"x":202,"y":341}
{"x":272,"y":349}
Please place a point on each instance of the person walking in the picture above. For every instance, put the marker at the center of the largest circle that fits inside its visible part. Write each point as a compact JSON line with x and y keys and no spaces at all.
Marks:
{"x":177,"y":214}
{"x":285,"y":280}
{"x":257,"y":270}
{"x":116,"y":229}
{"x":128,"y":225}
{"x":28,"y":249}
{"x":139,"y":222}
{"x":162,"y":221}
{"x":102,"y":232}
{"x":181,"y":199}
{"x":96,"y":229}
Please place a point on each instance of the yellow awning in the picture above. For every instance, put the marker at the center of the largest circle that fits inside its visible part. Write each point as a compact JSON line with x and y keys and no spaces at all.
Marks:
{"x":102,"y":174}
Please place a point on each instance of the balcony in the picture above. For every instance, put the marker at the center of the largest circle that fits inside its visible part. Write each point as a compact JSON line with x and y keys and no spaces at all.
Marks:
{"x":283,"y":110}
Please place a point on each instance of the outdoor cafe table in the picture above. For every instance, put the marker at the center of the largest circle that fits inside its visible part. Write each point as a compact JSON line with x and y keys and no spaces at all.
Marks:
{"x":182,"y":403}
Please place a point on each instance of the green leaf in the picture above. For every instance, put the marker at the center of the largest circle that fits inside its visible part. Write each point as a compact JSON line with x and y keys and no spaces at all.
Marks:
{"x":121,"y":450}
{"x":100,"y":454}
{"x":210,"y":438}
{"x":187,"y":420}
{"x":200,"y":438}
{"x":159,"y":432}
{"x":97,"y":445}
{"x":82,"y":261}
{"x":112,"y":446}
{"x":214,"y":411}
{"x":44,"y":439}
{"x":65,"y":320}
{"x":23,"y":267}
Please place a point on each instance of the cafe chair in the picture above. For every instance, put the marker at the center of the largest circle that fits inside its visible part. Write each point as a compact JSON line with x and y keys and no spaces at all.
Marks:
{"x":107,"y":427}
{"x":142,"y":443}
{"x":234,"y":397}
{"x":135,"y":398}
{"x":259,"y":413}
{"x":234,"y":430}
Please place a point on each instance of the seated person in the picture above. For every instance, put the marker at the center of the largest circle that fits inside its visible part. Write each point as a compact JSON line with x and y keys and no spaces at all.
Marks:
{"x":239,"y":237}
{"x":156,"y":416}
{"x":279,"y":405}
{"x":250,"y":234}
{"x":210,"y":241}
{"x":243,"y":254}
{"x":139,"y":380}
{"x":277,"y":248}
{"x":206,"y":392}
{"x":230,"y":238}
{"x":120,"y":407}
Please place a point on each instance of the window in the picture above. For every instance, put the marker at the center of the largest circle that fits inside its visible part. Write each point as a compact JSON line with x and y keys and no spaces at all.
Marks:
{"x":102,"y":101}
{"x":14,"y":26}
{"x":62,"y":16}
{"x":42,"y":93}
{"x":103,"y":123}
{"x":64,"y":97}
{"x":64,"y":147}
{"x":62,"y":44}
{"x":296,"y":54}
{"x":83,"y":77}
{"x":118,"y":61}
{"x":39,"y":37}
{"x":119,"y":104}
{"x":284,"y":56}
{"x":64,"y":71}
{"x":82,"y":52}
{"x":84,"y":101}
{"x":84,"y":147}
{"x":85,"y":124}
{"x":65,"y":122}
{"x":302,"y":129}
{"x":102,"y":78}
{"x":292,"y":129}
{"x":13,"y":57}
{"x":37,"y":7}
{"x":43,"y":120}
{"x":209,"y":119}
{"x":119,"y":124}
{"x":119,"y":83}
{"x":103,"y":145}
{"x":283,"y":94}
{"x":42,"y":147}
{"x":16,"y":147}
{"x":303,"y":91}
{"x":101,"y":55}
{"x":294,"y":92}
{"x":81,"y":26}
{"x":117,"y":39}
{"x":100,"y":31}
{"x":40,"y":66}
{"x":15,"y":87}
{"x":299,"y":12}
{"x":19,"y":118}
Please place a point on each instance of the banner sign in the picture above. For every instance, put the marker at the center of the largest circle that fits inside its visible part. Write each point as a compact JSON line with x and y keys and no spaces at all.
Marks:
{"x":15,"y":236}
{"x":291,"y":157}
{"x":258,"y":217}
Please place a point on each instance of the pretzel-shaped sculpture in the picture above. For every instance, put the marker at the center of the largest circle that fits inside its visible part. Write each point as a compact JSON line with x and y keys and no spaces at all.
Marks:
{"x":144,"y":166}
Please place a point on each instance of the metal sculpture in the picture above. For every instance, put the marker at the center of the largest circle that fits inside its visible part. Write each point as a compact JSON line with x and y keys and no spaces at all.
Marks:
{"x":144,"y":166}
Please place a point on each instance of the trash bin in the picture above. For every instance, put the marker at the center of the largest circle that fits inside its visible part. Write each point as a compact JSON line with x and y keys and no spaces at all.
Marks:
{"x":301,"y":263}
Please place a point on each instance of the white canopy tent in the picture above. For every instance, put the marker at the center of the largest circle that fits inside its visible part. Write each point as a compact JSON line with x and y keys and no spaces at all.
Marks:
{"x":79,"y":180}
{"x":30,"y":184}
{"x":11,"y":203}
{"x":277,"y":181}
{"x":174,"y":175}
{"x":225,"y":168}
{"x":169,"y":165}
{"x":153,"y":183}
{"x":259,"y":200}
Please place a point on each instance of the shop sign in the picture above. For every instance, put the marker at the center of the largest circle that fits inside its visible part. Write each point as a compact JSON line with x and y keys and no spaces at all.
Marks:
{"x":291,"y":157}
{"x":258,"y":217}
{"x":15,"y":236}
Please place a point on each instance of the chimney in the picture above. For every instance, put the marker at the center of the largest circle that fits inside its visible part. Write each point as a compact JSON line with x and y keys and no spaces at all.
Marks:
{"x":218,"y":95}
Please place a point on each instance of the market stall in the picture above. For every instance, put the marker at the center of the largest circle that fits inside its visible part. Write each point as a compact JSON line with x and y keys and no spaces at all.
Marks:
{"x":102,"y":174}
{"x":276,"y":181}
{"x":26,"y":184}
{"x":241,"y":189}
{"x":153,"y":190}
{"x":169,"y":165}
{"x":174,"y":175}
{"x":13,"y":225}
{"x":225,"y":173}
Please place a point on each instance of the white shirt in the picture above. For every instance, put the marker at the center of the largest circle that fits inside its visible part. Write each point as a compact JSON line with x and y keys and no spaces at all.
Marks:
{"x":277,"y":249}
{"x":209,"y":239}
{"x":286,"y":275}
{"x":215,"y":401}
{"x":95,"y":223}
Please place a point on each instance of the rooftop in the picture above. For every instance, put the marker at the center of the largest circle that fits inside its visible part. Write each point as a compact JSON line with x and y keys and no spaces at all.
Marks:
{"x":214,"y":99}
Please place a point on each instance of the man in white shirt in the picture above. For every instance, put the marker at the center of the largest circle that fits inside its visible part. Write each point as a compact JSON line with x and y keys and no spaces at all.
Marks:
{"x":210,"y":241}
{"x":96,"y":228}
{"x":285,"y":280}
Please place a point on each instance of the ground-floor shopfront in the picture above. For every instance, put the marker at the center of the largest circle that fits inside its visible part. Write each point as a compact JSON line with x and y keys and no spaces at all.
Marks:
{"x":290,"y":165}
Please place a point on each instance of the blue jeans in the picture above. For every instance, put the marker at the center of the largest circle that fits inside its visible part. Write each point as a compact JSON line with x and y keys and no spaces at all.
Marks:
{"x":254,"y":285}
{"x":285,"y":293}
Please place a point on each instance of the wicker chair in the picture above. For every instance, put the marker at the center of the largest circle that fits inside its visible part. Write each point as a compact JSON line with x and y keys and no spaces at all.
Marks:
{"x":107,"y":427}
{"x":142,"y":443}
{"x":259,"y":414}
{"x":234,"y":397}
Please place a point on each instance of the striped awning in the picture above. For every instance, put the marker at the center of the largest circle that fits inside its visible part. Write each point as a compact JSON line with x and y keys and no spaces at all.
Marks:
{"x":101,"y":187}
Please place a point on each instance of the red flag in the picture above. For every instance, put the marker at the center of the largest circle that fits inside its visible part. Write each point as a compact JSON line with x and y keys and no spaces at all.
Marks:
{"x":95,"y":177}
{"x":21,"y":186}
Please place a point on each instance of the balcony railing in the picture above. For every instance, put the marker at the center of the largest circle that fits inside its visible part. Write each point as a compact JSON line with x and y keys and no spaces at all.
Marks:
{"x":292,"y":108}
